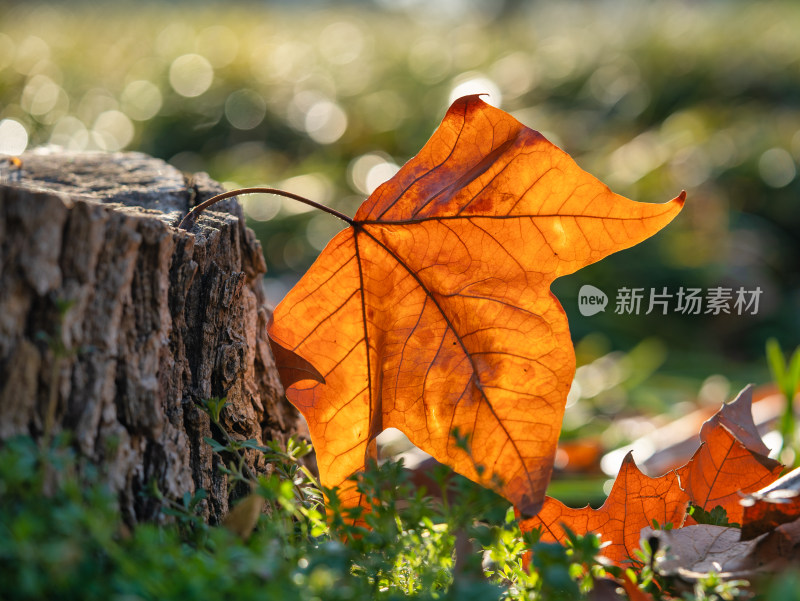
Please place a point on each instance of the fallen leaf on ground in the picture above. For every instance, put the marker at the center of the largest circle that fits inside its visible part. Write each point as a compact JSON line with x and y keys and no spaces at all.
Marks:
{"x":737,"y":417}
{"x":695,"y":551}
{"x":772,"y":506}
{"x":434,"y":311}
{"x":673,"y":444}
{"x":579,"y":456}
{"x":727,"y":464}
{"x":721,"y":471}
{"x":782,"y":543}
{"x":243,"y":518}
{"x":634,"y":502}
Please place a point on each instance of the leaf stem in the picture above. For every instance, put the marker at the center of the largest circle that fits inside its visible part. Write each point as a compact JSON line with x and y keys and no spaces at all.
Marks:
{"x":188,"y":221}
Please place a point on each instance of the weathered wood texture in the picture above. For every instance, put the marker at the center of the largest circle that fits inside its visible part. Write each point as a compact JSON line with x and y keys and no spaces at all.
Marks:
{"x":119,"y":323}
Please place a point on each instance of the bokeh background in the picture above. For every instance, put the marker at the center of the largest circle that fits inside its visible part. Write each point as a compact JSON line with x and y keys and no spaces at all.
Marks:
{"x":327,"y":99}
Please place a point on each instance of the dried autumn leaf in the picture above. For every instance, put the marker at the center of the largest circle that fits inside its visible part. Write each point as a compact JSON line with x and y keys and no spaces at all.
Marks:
{"x":633,"y":591}
{"x":634,"y":502}
{"x":433,"y":310}
{"x":692,"y":553}
{"x":695,"y":551}
{"x":673,"y":444}
{"x":737,"y":417}
{"x":722,"y":470}
{"x":727,"y":465}
{"x":243,"y":518}
{"x":779,"y":546}
{"x":773,"y":505}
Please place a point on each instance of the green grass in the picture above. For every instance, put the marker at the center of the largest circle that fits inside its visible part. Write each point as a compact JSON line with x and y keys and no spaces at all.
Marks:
{"x":61,"y":537}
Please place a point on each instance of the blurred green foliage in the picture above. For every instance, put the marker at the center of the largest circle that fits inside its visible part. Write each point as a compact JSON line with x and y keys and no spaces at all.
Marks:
{"x":326,"y":100}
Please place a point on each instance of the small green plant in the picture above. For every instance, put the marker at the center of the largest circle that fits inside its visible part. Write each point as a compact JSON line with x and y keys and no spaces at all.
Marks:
{"x":787,"y":377}
{"x":213,"y":408}
{"x":642,"y":572}
{"x":716,"y":517}
{"x":714,"y":588}
{"x":238,"y":471}
{"x":657,"y":526}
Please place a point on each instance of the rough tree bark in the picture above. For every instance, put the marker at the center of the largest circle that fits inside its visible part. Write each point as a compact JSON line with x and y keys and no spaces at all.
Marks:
{"x":117,"y":323}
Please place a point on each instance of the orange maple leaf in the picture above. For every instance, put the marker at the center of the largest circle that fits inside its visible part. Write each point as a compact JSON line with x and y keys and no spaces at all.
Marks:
{"x":634,"y":502}
{"x":724,"y":467}
{"x":732,"y":460}
{"x":775,"y":504}
{"x":433,"y":310}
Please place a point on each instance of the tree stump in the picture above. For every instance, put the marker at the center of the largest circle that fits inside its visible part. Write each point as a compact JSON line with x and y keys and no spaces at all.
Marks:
{"x":114,"y":324}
